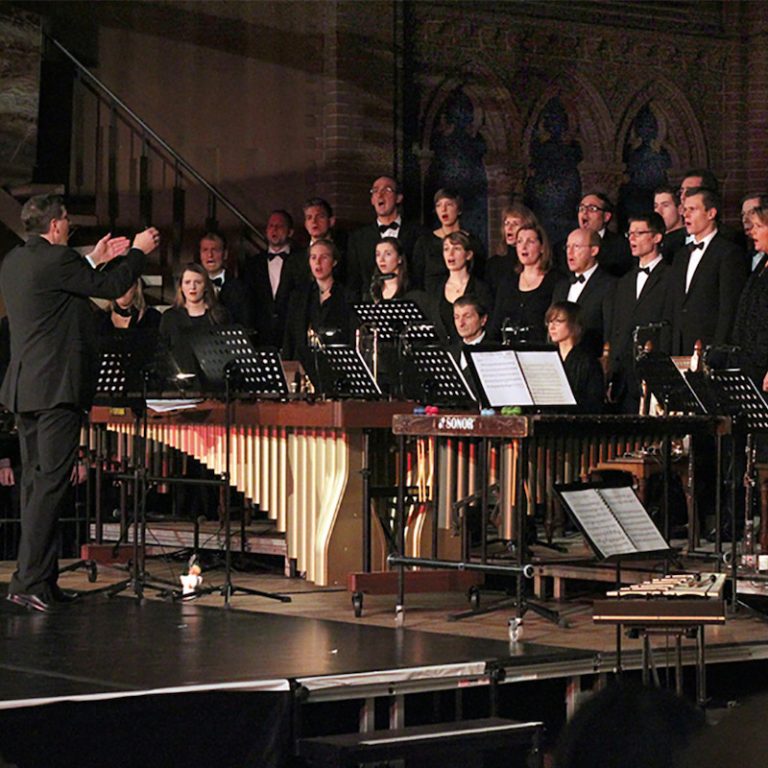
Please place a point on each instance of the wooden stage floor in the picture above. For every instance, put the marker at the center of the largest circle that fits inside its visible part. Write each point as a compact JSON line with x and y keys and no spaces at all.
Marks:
{"x":114,"y":651}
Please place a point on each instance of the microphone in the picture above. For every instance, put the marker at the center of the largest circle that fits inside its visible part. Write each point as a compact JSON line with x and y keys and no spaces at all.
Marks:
{"x":383,"y":276}
{"x":653,"y":326}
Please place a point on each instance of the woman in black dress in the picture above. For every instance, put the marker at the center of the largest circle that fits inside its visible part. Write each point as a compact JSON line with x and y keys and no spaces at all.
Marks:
{"x":525,"y":294}
{"x":458,"y":257}
{"x":750,"y":327}
{"x":428,"y":263}
{"x":195,"y":306}
{"x":320,"y":308}
{"x":502,"y":266}
{"x":585,"y":375}
{"x":129,"y":312}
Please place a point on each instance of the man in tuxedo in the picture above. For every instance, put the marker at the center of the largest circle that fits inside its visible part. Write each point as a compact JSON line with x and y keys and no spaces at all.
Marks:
{"x":320,"y":223}
{"x":231,"y":291}
{"x":470,"y":316}
{"x":640,"y":299}
{"x":51,"y":376}
{"x":386,"y":198}
{"x":705,"y":281}
{"x":271,"y":275}
{"x":595,"y":214}
{"x":666,"y":202}
{"x":591,"y":287}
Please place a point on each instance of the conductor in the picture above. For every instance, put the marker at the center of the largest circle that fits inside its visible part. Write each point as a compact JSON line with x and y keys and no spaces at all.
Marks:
{"x":50,"y":380}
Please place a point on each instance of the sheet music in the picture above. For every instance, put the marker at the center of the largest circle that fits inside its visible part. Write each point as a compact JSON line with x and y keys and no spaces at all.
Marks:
{"x":546,"y":378}
{"x":501,"y":378}
{"x":600,"y":526}
{"x":634,"y":519}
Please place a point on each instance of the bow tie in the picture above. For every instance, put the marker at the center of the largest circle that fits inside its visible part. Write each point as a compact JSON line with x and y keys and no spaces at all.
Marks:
{"x":386,"y":227}
{"x":218,"y":281}
{"x":577,"y":279}
{"x":695,"y":246}
{"x":273,"y":255}
{"x":647,"y":270}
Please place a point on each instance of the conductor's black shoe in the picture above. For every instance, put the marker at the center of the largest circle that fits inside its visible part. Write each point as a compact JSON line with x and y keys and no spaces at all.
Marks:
{"x":64,"y":595}
{"x":31,"y":602}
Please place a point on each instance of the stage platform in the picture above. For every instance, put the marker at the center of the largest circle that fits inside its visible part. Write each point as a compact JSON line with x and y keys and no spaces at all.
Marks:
{"x":118,"y":681}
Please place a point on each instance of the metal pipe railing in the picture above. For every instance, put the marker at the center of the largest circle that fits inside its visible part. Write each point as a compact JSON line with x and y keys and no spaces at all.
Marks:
{"x":177,"y":160}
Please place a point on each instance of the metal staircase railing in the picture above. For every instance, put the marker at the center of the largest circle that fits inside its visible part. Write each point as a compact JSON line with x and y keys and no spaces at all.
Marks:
{"x":152,"y":163}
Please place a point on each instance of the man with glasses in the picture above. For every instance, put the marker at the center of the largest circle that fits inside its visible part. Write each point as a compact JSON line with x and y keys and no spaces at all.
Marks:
{"x":386,"y":199}
{"x":50,"y":379}
{"x":595,"y":213}
{"x":640,"y":299}
{"x":591,"y":287}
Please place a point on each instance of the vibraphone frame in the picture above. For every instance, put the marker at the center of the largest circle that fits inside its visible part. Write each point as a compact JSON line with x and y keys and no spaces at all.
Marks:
{"x":533,"y":435}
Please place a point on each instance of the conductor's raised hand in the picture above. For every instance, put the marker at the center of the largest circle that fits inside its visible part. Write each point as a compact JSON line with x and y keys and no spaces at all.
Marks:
{"x":147,"y":240}
{"x":108,"y":248}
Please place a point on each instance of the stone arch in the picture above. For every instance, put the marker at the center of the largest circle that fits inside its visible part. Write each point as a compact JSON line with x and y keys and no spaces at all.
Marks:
{"x":497,"y":120}
{"x":684,"y":136}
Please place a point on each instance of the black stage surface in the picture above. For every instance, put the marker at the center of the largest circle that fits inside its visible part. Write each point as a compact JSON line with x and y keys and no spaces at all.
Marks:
{"x":91,"y":683}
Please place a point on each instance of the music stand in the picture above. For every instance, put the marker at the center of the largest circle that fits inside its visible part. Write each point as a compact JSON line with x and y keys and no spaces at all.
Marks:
{"x":432,"y":376}
{"x":123,"y":380}
{"x":342,"y":372}
{"x":229,"y":364}
{"x":389,"y":317}
{"x":747,"y":405}
{"x":668,"y":384}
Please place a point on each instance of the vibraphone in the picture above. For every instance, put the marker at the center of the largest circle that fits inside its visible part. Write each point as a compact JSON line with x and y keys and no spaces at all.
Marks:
{"x":526,"y":455}
{"x":305,"y":464}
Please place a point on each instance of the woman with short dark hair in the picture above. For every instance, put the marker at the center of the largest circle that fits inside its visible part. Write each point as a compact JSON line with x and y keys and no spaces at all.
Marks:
{"x":583,"y":370}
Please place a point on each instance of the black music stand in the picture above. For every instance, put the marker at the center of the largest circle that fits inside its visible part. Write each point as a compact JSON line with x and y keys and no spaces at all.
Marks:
{"x":230,"y":365}
{"x":668,"y":385}
{"x":742,"y":400}
{"x":615,"y":525}
{"x":122,"y":381}
{"x":389,"y":317}
{"x":342,"y":372}
{"x":433,"y":377}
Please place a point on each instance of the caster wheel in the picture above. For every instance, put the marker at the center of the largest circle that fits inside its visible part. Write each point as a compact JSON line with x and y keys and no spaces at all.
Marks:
{"x":93,"y":572}
{"x":357,"y":604}
{"x":474,"y":598}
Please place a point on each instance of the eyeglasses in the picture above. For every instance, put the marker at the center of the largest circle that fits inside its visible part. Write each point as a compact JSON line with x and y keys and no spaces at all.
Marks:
{"x":572,"y":247}
{"x":385,"y":190}
{"x":637,"y":233}
{"x":590,"y":209}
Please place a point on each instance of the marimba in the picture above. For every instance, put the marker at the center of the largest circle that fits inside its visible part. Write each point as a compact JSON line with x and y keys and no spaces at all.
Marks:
{"x":305,"y":464}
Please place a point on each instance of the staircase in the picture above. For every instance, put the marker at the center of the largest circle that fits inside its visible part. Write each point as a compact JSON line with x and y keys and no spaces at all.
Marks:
{"x":124,"y":177}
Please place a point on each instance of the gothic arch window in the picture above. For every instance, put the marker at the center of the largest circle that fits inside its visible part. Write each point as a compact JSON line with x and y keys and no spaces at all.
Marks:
{"x":458,"y":150}
{"x":647,"y":161}
{"x":553,"y":187}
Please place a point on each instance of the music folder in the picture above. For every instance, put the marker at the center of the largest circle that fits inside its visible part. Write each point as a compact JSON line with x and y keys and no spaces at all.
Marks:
{"x":614,"y":522}
{"x":508,"y":377}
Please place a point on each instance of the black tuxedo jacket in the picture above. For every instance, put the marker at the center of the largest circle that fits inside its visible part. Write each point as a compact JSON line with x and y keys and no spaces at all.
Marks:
{"x":596,"y":302}
{"x":615,"y":256}
{"x":237,"y":299}
{"x":707,"y":311}
{"x":361,"y":254}
{"x":629,"y":311}
{"x":54,"y":344}
{"x":270,"y":312}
